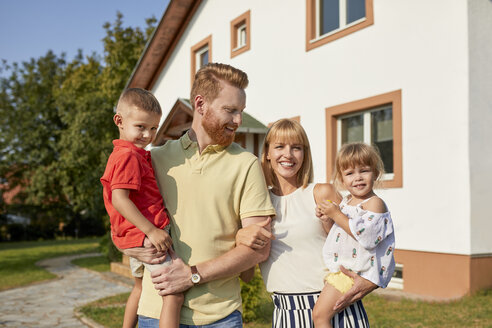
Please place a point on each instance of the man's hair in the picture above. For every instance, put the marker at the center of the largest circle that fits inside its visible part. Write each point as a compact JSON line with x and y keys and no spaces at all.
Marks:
{"x":207,"y":81}
{"x":287,"y":131}
{"x":140,"y":98}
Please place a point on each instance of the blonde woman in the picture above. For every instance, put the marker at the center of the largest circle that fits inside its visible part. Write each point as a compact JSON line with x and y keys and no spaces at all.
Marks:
{"x":294,"y":271}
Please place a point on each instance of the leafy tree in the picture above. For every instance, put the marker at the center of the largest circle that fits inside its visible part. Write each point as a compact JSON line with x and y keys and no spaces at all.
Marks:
{"x":56,"y":125}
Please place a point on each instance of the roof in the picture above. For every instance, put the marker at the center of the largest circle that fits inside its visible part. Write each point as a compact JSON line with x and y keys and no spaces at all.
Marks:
{"x":162,"y":43}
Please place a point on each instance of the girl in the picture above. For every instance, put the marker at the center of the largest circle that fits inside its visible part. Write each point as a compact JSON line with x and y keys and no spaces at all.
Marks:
{"x":361,"y":238}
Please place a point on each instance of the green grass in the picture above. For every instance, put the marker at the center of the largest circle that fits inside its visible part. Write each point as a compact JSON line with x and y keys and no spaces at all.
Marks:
{"x":17,"y":259}
{"x":470,"y":311}
{"x":95,"y":263}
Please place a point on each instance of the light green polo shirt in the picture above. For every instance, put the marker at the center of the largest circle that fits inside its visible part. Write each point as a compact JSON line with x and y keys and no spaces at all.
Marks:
{"x":207,"y":195}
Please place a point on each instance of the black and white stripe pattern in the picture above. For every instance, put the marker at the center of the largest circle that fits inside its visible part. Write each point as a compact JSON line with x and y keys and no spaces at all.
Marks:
{"x":295,"y":310}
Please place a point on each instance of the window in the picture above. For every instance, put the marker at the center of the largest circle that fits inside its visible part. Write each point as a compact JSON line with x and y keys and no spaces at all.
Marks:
{"x":396,"y":281}
{"x":240,"y":34}
{"x":376,"y":121}
{"x":328,"y":20}
{"x":201,"y":55}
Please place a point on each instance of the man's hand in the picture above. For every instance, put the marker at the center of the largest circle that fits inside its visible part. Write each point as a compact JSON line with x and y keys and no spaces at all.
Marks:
{"x":160,"y":239}
{"x":172,"y":279}
{"x":255,"y":236}
{"x":147,"y":254}
{"x":361,"y":288}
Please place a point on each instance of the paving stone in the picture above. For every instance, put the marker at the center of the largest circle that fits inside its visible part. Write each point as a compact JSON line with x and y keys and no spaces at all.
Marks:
{"x":52,"y":304}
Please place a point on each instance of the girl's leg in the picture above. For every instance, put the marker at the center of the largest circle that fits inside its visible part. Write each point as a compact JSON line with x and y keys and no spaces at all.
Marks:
{"x":130,"y":318}
{"x":171,"y":308}
{"x":323,"y":309}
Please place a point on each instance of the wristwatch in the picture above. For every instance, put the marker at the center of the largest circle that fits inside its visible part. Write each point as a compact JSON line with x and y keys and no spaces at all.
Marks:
{"x":195,"y":276}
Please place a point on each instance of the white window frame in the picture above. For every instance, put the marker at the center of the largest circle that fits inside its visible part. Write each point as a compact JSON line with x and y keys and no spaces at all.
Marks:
{"x":198,"y":55}
{"x":367,"y":130}
{"x":343,"y":20}
{"x":397,"y":283}
{"x":240,"y":41}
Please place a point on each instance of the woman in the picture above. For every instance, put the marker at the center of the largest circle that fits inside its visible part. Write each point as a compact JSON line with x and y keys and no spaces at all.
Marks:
{"x":294,"y":271}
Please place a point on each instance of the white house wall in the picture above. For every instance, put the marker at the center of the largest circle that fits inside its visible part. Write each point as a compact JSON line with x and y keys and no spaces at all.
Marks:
{"x":418,"y":46}
{"x":480,"y":123}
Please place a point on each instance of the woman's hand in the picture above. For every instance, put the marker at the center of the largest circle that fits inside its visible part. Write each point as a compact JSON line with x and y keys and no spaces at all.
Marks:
{"x":254,"y":236}
{"x":361,"y":288}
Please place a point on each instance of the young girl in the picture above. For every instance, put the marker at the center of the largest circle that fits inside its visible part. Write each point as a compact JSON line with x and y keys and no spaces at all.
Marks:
{"x":361,"y":238}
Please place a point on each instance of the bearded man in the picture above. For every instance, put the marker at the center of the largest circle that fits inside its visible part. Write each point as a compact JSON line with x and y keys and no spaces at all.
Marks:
{"x":211,"y":187}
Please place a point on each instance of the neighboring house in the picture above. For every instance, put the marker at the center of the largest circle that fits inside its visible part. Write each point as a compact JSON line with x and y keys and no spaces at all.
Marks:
{"x":412,"y":77}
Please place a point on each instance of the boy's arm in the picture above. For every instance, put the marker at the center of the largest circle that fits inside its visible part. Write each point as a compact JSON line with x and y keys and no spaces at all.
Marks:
{"x":176,"y":277}
{"x":124,"y":205}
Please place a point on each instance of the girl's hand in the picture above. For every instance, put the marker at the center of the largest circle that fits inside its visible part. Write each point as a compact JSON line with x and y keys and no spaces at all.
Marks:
{"x":328,"y":209}
{"x":321,"y":216}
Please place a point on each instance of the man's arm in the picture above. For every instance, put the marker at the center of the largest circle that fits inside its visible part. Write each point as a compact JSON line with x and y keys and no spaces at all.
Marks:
{"x":176,"y":277}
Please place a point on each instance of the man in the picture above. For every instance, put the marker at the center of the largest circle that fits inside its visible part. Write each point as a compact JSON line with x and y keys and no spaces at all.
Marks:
{"x":211,"y":188}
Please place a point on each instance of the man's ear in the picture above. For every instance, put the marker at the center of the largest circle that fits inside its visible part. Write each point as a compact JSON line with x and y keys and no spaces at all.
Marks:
{"x":118,"y":119}
{"x":199,"y":104}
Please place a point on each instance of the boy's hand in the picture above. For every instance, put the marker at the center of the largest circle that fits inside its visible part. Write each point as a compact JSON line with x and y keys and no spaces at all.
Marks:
{"x":160,"y":239}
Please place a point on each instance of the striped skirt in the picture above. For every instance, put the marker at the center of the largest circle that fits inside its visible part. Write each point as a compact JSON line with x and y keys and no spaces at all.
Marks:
{"x":295,"y":310}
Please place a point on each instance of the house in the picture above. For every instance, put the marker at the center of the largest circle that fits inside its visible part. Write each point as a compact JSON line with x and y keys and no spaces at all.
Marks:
{"x":412,"y":77}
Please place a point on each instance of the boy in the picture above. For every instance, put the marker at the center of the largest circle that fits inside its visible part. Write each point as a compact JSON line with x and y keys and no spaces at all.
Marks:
{"x":131,"y":196}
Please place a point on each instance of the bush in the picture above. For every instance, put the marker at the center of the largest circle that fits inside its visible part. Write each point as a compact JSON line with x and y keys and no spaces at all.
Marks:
{"x":108,"y":249}
{"x":257,"y":305}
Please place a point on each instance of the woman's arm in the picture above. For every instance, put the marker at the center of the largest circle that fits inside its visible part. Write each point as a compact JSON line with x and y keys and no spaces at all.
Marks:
{"x":323,"y":192}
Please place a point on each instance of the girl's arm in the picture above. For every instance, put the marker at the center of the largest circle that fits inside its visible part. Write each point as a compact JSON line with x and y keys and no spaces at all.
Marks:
{"x":322,"y":192}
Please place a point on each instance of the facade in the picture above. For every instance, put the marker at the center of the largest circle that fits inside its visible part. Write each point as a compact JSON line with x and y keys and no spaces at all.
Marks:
{"x":412,"y":77}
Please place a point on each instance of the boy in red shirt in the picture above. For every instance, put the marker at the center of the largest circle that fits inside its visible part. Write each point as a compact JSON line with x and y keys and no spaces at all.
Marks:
{"x":132,"y":198}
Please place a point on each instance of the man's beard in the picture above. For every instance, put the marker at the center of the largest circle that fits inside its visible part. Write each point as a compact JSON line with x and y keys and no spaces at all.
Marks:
{"x":215,"y":130}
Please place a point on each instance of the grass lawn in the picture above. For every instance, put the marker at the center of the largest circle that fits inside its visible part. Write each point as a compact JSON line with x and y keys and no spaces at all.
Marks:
{"x":17,"y":259}
{"x":471,"y":311}
{"x":95,"y":263}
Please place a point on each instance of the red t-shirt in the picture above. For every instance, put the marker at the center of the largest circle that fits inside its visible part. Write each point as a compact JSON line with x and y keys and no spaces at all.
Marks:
{"x":130,"y":167}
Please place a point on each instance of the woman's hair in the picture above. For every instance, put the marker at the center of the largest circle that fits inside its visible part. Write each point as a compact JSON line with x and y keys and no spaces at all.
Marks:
{"x":357,"y":153}
{"x":287,"y":131}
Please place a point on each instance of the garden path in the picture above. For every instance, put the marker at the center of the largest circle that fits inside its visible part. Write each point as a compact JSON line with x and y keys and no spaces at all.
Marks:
{"x":52,"y":304}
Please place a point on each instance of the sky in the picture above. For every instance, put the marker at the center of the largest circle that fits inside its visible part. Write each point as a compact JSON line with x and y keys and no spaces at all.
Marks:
{"x":29,"y":28}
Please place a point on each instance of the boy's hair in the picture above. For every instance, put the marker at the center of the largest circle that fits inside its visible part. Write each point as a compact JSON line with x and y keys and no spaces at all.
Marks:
{"x":287,"y":131}
{"x":357,"y":153}
{"x":207,"y":81}
{"x":140,"y":98}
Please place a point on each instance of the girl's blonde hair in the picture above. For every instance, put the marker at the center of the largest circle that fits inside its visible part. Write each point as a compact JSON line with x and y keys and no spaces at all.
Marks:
{"x":357,"y":153}
{"x":287,"y":131}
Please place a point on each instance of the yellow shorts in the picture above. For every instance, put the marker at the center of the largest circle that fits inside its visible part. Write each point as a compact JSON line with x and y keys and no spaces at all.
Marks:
{"x":340,"y":281}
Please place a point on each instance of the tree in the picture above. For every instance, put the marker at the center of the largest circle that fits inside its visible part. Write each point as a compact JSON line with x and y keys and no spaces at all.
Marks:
{"x":56,"y":124}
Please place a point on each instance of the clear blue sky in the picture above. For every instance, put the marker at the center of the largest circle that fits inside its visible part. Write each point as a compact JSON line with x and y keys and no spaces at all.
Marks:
{"x":29,"y":28}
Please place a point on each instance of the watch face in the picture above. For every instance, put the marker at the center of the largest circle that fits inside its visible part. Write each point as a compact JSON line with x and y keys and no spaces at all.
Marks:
{"x":195,"y":278}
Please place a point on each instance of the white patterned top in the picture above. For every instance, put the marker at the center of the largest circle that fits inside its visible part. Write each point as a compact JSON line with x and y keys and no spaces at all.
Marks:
{"x":371,"y":253}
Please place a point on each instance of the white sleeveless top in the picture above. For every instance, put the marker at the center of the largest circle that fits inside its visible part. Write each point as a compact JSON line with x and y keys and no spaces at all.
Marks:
{"x":295,"y":264}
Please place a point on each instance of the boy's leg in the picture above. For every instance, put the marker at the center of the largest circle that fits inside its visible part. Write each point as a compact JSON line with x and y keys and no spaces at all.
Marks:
{"x":323,"y":309}
{"x":170,"y":312}
{"x":130,"y":318}
{"x":171,"y":304}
